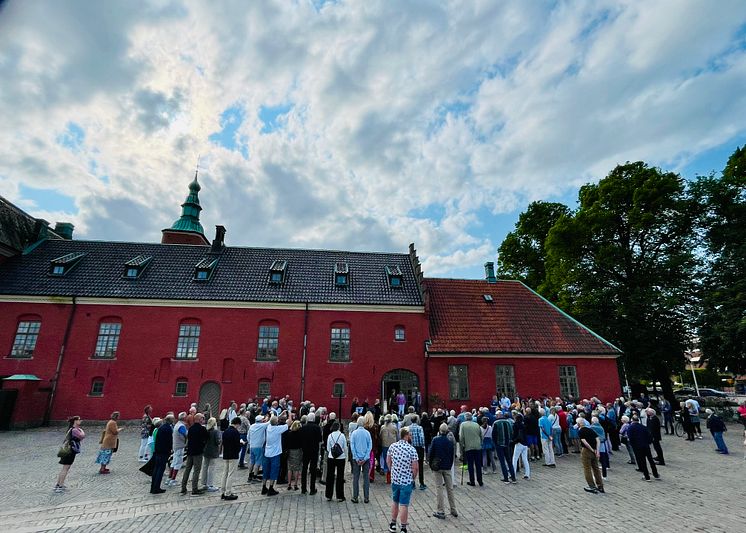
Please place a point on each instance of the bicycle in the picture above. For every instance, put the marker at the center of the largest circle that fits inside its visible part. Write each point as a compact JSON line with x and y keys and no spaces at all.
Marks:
{"x":678,"y":427}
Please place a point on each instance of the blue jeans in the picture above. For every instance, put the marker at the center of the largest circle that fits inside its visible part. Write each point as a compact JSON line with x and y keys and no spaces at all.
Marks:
{"x":158,"y":469}
{"x":474,"y":460}
{"x":242,"y":454}
{"x":505,"y":463}
{"x":401,"y":494}
{"x":718,"y":436}
{"x":384,"y":453}
{"x":557,"y":435}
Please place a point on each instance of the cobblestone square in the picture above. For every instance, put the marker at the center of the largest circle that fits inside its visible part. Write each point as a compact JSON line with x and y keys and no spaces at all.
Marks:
{"x":700,"y":491}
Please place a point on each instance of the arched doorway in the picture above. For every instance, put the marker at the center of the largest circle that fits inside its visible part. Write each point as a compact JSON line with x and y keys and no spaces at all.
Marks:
{"x":399,"y":380}
{"x":209,"y":393}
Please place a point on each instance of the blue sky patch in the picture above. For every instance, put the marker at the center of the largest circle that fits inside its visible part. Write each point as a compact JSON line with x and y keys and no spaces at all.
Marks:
{"x":228,"y":137}
{"x":274,"y":117}
{"x":49,"y":199}
{"x":72,"y":138}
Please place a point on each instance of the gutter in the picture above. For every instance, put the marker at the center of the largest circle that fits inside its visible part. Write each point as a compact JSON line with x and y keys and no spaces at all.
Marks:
{"x":305,"y":349}
{"x":56,"y":378}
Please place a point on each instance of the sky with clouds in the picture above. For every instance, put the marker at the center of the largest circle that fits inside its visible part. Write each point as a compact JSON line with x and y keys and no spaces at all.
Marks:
{"x":356,"y":125}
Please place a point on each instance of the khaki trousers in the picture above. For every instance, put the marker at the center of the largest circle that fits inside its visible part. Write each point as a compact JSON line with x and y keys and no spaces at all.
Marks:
{"x":228,"y":471}
{"x":440,"y":477}
{"x":591,"y":469}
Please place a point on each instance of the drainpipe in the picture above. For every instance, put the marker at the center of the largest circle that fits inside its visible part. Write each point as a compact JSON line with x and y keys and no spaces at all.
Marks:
{"x":56,"y":378}
{"x":303,"y":364}
{"x":428,"y":342}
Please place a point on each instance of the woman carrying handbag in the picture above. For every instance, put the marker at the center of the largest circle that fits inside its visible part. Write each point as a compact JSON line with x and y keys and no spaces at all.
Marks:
{"x":70,"y":448}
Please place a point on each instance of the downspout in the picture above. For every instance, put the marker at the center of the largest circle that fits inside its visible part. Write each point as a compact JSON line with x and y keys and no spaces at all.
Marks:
{"x":56,"y":378}
{"x":303,"y":364}
{"x":428,"y":342}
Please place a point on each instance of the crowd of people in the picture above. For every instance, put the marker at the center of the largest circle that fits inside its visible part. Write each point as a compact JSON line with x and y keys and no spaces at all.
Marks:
{"x":281,"y":446}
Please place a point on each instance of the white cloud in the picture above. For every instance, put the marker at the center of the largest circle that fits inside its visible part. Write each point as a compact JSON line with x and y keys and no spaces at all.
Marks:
{"x":407,"y":121}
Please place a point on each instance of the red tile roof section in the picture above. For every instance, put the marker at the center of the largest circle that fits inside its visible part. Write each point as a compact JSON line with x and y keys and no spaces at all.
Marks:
{"x":516,"y":321}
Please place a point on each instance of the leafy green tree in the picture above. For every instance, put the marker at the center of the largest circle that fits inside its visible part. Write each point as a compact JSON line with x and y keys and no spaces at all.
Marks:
{"x":624,"y":264}
{"x":521,"y":255}
{"x":722,"y":331}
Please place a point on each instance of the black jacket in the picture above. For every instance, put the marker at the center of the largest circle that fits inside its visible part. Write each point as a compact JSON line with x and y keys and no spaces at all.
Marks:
{"x":231,"y":443}
{"x":164,"y":439}
{"x":310,"y":435}
{"x":638,"y":436}
{"x":654,"y":425}
{"x":715,"y":424}
{"x":196,"y":440}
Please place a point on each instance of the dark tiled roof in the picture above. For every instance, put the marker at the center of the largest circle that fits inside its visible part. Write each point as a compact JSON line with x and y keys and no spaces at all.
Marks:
{"x":241,"y":274}
{"x":516,"y":321}
{"x":18,"y":229}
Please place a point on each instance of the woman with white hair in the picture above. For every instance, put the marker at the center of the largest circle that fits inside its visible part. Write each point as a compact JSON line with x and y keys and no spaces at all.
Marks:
{"x":210,"y":456}
{"x":388,"y":435}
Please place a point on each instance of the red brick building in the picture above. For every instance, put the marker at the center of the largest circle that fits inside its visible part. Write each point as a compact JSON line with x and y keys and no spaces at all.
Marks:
{"x":113,"y":326}
{"x":489,"y":336}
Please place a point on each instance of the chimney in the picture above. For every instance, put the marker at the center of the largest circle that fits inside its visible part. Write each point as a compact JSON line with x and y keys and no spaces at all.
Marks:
{"x":64,"y":230}
{"x":489,"y":272}
{"x":218,"y":242}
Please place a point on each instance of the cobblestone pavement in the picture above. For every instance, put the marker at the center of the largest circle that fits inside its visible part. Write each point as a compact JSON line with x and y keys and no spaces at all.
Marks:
{"x":700,"y":491}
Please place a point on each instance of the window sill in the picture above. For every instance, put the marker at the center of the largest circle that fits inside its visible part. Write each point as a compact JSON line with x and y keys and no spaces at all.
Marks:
{"x":95,"y":395}
{"x":400,"y":340}
{"x":339,"y":362}
{"x":184,"y":359}
{"x":266,"y":360}
{"x":18,"y":358}
{"x":94,"y":358}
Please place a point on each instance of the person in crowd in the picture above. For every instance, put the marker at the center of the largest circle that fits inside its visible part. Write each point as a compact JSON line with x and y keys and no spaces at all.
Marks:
{"x":231,"y":450}
{"x":418,"y":441}
{"x":639,"y":438}
{"x":520,"y":446}
{"x":355,"y":405}
{"x":272,"y":454}
{"x":336,"y":444}
{"x":369,"y":423}
{"x":377,"y":409}
{"x":667,"y":412}
{"x":360,"y":445}
{"x":440,"y":458}
{"x":654,"y":426}
{"x":686,"y":421}
{"x":603,"y":453}
{"x":223,"y":422}
{"x":151,"y":440}
{"x":408,"y":417}
{"x":257,"y":439}
{"x":625,"y":439}
{"x":547,"y":446}
{"x":556,"y":432}
{"x":388,"y":436}
{"x":210,"y":456}
{"x":488,"y":447}
{"x":295,"y":454}
{"x":572,"y":430}
{"x":502,"y":435}
{"x":403,"y":463}
{"x":178,"y":439}
{"x":717,"y":427}
{"x":195,"y":446}
{"x":161,"y":451}
{"x":470,"y":437}
{"x":146,"y":429}
{"x":693,"y":407}
{"x":589,"y":457}
{"x":73,"y":437}
{"x":109,"y":443}
{"x":243,"y":431}
{"x":401,"y":402}
{"x":192,"y":413}
{"x":232,"y":410}
{"x":311,"y":438}
{"x":531,"y":422}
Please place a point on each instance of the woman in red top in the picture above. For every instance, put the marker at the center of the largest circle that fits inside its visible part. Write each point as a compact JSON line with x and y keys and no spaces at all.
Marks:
{"x":742,"y":414}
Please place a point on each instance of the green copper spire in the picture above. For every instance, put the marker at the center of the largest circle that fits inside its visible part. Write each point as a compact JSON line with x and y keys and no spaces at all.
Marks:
{"x":190,"y":209}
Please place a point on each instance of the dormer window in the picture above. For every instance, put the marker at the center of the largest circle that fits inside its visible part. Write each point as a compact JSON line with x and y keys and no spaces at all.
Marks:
{"x":277,"y":272}
{"x":395,"y":277}
{"x":136,"y":266}
{"x":204,"y":269}
{"x":488,"y":297}
{"x":341,"y":274}
{"x":63,"y":265}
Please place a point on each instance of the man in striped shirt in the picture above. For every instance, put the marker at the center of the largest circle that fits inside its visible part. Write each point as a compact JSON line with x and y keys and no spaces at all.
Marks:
{"x":418,"y":441}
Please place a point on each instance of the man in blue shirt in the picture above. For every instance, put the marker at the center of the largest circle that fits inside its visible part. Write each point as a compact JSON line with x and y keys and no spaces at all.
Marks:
{"x":360,"y":446}
{"x":418,"y":441}
{"x":547,"y":441}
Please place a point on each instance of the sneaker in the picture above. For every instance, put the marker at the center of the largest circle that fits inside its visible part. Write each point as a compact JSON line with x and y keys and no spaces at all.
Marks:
{"x":354,"y":500}
{"x":212,"y":489}
{"x":340,"y":500}
{"x":513,"y":481}
{"x":264,"y":489}
{"x":442,"y":516}
{"x":601,"y":490}
{"x":454,"y":514}
{"x":366,"y":500}
{"x":198,"y":492}
{"x":272,"y":492}
{"x":423,"y":487}
{"x":658,"y":477}
{"x":506,"y":481}
{"x":392,"y":527}
{"x":646,"y":479}
{"x":58,"y":489}
{"x":526,"y":477}
{"x":592,"y":490}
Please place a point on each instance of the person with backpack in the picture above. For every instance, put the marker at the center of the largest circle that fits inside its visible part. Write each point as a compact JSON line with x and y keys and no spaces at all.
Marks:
{"x":440,"y":458}
{"x":70,"y":448}
{"x":336,"y":444}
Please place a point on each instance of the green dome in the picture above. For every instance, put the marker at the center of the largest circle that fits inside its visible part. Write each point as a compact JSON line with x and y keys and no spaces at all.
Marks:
{"x":189,"y":220}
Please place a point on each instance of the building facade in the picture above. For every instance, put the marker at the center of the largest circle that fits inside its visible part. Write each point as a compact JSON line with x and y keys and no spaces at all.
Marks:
{"x":97,"y":326}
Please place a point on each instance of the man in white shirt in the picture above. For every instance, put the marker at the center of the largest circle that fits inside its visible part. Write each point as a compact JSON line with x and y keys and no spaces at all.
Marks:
{"x":272,"y":453}
{"x":257,"y":437}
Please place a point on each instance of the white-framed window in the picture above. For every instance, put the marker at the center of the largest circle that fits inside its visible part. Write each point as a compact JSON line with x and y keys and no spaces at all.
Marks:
{"x":505,"y":380}
{"x":181,"y":387}
{"x":263,"y":390}
{"x":108,"y":340}
{"x":24,"y":343}
{"x":458,"y":382}
{"x":97,"y":387}
{"x":568,"y":376}
{"x":340,"y":344}
{"x":338,"y":389}
{"x":188,"y":341}
{"x":269,"y":339}
{"x":400,"y":334}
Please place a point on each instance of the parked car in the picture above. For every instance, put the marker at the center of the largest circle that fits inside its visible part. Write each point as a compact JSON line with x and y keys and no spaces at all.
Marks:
{"x":703,"y":393}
